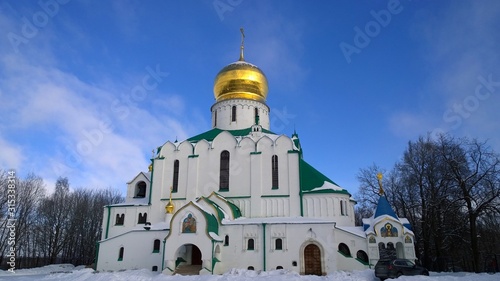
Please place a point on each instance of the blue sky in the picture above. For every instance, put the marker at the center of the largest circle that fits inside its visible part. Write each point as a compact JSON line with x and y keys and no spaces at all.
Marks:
{"x":357,"y":80}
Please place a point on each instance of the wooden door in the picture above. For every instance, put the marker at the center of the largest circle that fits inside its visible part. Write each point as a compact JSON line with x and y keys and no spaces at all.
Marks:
{"x":312,"y":260}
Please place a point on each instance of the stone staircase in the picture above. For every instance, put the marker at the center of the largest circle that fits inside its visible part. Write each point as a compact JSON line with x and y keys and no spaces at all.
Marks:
{"x":188,"y":269}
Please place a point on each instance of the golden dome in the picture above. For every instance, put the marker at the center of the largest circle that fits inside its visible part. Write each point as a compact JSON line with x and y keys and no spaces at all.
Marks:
{"x":240,"y":80}
{"x":169,"y":209}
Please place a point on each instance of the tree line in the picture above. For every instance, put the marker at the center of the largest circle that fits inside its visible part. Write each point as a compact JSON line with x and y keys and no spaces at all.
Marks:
{"x":449,"y":190}
{"x":60,"y":227}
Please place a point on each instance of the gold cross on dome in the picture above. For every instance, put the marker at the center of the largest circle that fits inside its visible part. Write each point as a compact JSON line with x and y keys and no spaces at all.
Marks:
{"x":381,"y":190}
{"x":242,"y":43}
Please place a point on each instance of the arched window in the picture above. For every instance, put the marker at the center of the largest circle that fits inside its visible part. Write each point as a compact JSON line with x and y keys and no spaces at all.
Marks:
{"x":120,"y":254}
{"x":343,"y":207}
{"x":279,"y":267}
{"x":233,"y":113}
{"x":275,"y":176}
{"x":391,"y":250}
{"x":250,"y":244}
{"x":362,"y":256}
{"x":344,"y":249}
{"x":278,"y":244}
{"x":120,"y":219}
{"x":250,"y":268}
{"x":224,"y":171}
{"x":256,"y":116}
{"x":140,"y":189}
{"x":143,"y":218}
{"x":175,"y":182}
{"x":156,"y":246}
{"x":226,"y":240}
{"x":154,"y":268}
{"x":215,"y":118}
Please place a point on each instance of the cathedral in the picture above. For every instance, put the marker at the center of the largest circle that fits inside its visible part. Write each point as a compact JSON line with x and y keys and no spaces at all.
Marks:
{"x":241,"y":196}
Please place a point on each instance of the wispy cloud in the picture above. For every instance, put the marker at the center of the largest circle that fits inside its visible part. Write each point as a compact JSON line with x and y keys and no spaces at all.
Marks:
{"x":460,"y":46}
{"x":276,"y":46}
{"x":68,"y":127}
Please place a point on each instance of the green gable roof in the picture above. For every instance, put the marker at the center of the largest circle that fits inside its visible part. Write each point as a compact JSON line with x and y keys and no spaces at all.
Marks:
{"x":220,"y":213}
{"x":236,"y":211}
{"x":210,"y":135}
{"x":310,"y":178}
{"x":212,"y":223}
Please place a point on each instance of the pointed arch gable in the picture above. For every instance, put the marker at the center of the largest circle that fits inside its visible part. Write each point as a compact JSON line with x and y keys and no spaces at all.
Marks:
{"x":140,"y":177}
{"x":201,"y":146}
{"x":246,"y":144}
{"x":211,"y":224}
{"x":284,"y":143}
{"x":394,"y":222}
{"x":167,"y":149}
{"x":186,"y":148}
{"x":264,"y":143}
{"x":224,"y":139}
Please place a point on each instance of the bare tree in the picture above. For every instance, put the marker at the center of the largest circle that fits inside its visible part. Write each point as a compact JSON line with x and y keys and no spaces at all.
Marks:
{"x":4,"y":231}
{"x":448,"y":189}
{"x":29,"y":192}
{"x":53,"y":220}
{"x":475,"y":175}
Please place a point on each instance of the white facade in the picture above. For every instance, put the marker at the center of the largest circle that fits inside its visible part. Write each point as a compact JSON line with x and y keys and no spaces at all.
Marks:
{"x":242,"y":197}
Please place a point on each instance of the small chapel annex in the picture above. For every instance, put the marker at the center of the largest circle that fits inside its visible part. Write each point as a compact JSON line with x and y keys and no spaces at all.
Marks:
{"x":241,"y":196}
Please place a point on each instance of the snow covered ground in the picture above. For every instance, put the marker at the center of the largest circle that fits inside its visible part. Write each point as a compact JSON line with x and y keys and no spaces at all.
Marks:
{"x":68,"y":272}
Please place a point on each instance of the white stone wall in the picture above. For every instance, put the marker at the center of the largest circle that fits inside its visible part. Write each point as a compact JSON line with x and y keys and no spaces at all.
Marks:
{"x":130,"y":222}
{"x":138,"y":251}
{"x":250,"y":185}
{"x":355,"y":244}
{"x":327,"y":205}
{"x":294,"y":236}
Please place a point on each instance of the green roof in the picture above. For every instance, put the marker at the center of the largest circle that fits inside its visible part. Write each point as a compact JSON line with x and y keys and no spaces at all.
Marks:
{"x":220,"y":213}
{"x":310,"y":178}
{"x":212,"y":223}
{"x":210,"y":135}
{"x":235,"y":209}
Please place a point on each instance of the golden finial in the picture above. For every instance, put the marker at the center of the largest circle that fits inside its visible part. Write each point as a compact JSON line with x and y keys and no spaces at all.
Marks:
{"x":242,"y":44}
{"x":381,"y":190}
{"x":169,"y":209}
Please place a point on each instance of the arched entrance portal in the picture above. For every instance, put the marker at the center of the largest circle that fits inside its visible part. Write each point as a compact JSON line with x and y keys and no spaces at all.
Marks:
{"x":195,"y":255}
{"x":188,"y":260}
{"x":312,"y":260}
